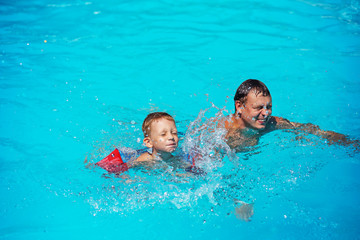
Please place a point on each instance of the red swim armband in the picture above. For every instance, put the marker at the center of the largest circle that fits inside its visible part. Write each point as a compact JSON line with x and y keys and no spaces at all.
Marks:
{"x":113,"y":163}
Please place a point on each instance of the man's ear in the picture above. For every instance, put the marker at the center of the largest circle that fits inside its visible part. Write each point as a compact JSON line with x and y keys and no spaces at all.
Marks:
{"x":239,"y":106}
{"x":147,"y":142}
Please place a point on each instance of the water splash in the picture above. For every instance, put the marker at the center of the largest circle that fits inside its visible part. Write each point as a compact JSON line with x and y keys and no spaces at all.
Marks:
{"x":205,"y":139}
{"x":278,"y":164}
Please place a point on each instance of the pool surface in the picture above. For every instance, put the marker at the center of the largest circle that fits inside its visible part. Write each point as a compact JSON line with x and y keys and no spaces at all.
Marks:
{"x":77,"y":78}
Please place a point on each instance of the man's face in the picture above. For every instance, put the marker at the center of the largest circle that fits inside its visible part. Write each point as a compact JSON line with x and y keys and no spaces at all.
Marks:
{"x":256,"y":111}
{"x":163,"y":135}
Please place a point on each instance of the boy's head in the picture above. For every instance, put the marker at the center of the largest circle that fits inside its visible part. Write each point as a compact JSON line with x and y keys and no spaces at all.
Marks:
{"x":253,"y":104}
{"x":146,"y":126}
{"x":160,"y":132}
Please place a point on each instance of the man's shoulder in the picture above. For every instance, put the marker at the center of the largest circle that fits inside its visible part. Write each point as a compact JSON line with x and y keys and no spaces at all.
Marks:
{"x":227,"y":122}
{"x":279,"y":123}
{"x":276,"y":120}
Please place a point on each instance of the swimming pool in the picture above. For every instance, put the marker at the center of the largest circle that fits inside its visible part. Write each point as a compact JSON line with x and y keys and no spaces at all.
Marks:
{"x":78,"y":77}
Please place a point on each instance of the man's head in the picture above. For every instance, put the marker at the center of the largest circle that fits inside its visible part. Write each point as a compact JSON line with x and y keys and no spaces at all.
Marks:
{"x":249,"y":85}
{"x":253,"y":104}
{"x":160,"y":132}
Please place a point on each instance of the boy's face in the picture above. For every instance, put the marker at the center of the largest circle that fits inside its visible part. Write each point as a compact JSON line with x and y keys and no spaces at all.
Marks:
{"x":163,"y":136}
{"x":256,"y":111}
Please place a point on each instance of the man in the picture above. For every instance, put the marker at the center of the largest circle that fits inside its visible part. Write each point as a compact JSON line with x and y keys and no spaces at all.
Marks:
{"x":252,"y":119}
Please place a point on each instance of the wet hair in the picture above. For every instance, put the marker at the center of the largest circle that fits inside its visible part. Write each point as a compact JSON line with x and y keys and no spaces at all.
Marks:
{"x":250,"y":85}
{"x":153,"y":117}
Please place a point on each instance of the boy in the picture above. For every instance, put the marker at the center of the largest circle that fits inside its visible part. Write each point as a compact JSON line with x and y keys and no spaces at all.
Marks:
{"x":252,"y":119}
{"x":160,"y":134}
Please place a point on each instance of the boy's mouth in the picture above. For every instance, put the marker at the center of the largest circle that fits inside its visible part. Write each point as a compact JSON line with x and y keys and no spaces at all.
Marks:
{"x":172,"y":145}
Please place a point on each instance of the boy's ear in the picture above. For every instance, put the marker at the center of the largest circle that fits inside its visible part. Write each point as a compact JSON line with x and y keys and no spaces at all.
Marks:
{"x":147,"y":142}
{"x":239,"y":106}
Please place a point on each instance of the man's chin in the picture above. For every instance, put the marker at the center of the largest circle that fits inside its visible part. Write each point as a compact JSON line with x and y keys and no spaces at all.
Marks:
{"x":261,"y":124}
{"x":259,"y":127}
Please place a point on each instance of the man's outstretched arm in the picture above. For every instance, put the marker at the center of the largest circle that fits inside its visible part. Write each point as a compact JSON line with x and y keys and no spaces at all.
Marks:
{"x":332,"y":137}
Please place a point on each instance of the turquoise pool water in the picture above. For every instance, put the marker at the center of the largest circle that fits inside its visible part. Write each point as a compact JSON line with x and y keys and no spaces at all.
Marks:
{"x":78,"y":78}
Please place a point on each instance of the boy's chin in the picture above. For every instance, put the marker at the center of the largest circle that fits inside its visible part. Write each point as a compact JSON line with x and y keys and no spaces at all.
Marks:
{"x":169,"y":150}
{"x":172,"y":150}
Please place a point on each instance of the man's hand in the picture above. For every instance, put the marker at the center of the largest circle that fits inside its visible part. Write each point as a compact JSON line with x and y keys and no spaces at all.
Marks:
{"x":245,"y":212}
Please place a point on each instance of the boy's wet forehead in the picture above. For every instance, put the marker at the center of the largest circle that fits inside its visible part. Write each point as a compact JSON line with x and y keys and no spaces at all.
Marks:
{"x":162,"y":124}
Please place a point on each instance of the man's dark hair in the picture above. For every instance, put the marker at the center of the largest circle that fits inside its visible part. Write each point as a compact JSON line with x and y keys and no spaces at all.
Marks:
{"x":250,"y":85}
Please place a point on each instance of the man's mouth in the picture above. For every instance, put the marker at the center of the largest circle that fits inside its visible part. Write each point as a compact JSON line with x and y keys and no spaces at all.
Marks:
{"x":262,"y":121}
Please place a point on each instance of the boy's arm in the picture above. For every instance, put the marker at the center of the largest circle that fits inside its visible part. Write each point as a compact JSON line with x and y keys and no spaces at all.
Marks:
{"x":332,"y":137}
{"x":145,"y":157}
{"x":145,"y":160}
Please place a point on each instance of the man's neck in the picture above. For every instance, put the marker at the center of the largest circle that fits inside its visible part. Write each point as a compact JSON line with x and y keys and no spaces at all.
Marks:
{"x":240,"y":126}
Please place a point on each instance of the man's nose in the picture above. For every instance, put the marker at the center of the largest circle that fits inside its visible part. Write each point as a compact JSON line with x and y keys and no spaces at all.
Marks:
{"x":265,"y":111}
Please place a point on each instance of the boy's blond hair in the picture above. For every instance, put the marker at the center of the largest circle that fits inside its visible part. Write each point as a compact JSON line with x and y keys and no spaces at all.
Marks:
{"x":151,"y":118}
